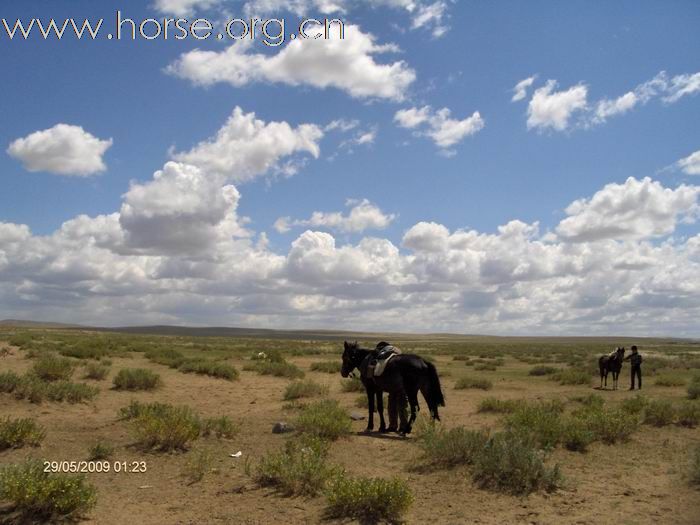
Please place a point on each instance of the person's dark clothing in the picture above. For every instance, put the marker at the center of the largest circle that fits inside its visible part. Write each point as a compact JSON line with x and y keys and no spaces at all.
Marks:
{"x":635,"y":360}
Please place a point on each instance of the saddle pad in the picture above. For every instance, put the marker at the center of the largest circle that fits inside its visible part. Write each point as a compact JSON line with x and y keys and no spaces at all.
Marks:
{"x":381,"y":365}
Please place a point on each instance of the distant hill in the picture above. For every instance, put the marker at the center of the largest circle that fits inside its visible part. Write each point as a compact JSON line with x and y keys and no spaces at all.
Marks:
{"x":36,"y":324}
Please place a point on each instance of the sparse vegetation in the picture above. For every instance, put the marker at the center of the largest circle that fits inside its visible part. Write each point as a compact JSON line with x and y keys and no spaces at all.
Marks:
{"x":221,"y":427}
{"x":694,"y":469}
{"x":510,"y":463}
{"x":275,"y":368}
{"x":688,"y":414}
{"x":43,"y":497}
{"x":198,"y":465}
{"x":329,"y":367}
{"x":542,"y":370}
{"x":96,"y":371}
{"x":209,"y":368}
{"x":352,"y":385}
{"x":301,"y":468}
{"x":571,"y":376}
{"x":100,"y":450}
{"x":694,"y":388}
{"x":669,"y":380}
{"x":370,"y":500}
{"x":324,"y":419}
{"x":51,"y":367}
{"x":304,"y":388}
{"x":17,"y":433}
{"x":659,"y":413}
{"x":166,"y":427}
{"x":473,"y":382}
{"x":448,"y":448}
{"x":136,"y":379}
{"x":499,"y":406}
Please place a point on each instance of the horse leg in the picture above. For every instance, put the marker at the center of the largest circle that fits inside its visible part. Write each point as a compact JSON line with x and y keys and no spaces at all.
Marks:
{"x":370,"y":406}
{"x":393,"y":413}
{"x":413,"y":401}
{"x":380,"y":409}
{"x":403,"y":417}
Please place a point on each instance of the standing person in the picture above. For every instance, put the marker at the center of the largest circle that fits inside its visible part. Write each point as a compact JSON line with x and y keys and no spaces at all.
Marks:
{"x":635,"y":359}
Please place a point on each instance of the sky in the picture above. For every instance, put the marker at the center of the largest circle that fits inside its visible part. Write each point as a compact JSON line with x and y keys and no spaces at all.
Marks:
{"x":506,"y":168}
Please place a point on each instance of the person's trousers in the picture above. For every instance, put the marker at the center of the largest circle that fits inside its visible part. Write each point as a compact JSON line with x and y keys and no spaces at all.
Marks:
{"x":636,"y":371}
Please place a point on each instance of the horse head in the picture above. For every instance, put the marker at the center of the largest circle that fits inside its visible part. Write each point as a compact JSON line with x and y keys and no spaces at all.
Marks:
{"x":351,"y":358}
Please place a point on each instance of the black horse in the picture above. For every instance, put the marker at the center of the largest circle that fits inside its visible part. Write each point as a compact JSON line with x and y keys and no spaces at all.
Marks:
{"x":403,"y":377}
{"x":611,"y":363}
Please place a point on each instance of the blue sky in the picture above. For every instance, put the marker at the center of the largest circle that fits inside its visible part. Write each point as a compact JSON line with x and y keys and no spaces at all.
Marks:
{"x":526,"y":160}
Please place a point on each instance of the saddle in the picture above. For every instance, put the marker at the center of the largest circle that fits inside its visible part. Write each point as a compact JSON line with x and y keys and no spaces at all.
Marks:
{"x":385,"y":352}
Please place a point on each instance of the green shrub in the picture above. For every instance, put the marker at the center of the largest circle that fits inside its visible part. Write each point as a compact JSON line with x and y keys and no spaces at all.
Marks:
{"x":137,"y":409}
{"x":473,"y":382}
{"x":97,"y":371}
{"x":635,"y":405}
{"x":577,"y":435}
{"x":83,"y":352}
{"x":166,"y":428}
{"x":541,"y":421}
{"x":304,"y":388}
{"x":669,"y":380}
{"x":221,"y":427}
{"x":8,"y":382}
{"x":299,"y":469}
{"x":100,"y":450}
{"x":329,"y":367}
{"x":510,"y":463}
{"x":209,"y":368}
{"x":608,"y":425}
{"x":21,"y":340}
{"x":571,"y":376}
{"x":71,"y":392}
{"x":136,"y":379}
{"x":499,"y":406}
{"x":485,"y":367}
{"x":51,"y":367}
{"x":694,"y":388}
{"x":659,"y":413}
{"x":275,"y":368}
{"x":368,"y":500}
{"x":542,"y":370}
{"x":165,"y":356}
{"x":42,"y":497}
{"x":688,"y":414}
{"x":16,"y":433}
{"x":590,"y":400}
{"x":325,"y":419}
{"x":352,"y":385}
{"x":31,"y":388}
{"x":447,"y":448}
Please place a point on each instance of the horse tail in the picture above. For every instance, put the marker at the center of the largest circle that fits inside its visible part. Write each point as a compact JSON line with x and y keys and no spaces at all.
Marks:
{"x":434,"y":395}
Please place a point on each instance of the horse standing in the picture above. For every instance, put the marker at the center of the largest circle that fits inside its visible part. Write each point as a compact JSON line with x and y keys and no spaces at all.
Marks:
{"x":611,"y":363}
{"x":404,"y":376}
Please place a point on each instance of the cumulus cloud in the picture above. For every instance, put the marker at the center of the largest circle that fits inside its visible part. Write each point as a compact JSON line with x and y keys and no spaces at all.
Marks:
{"x":349,"y":65}
{"x":560,"y":110}
{"x":553,"y":109}
{"x":520,"y":89}
{"x":637,"y":209}
{"x":690,"y":164}
{"x":363,"y":215}
{"x":247,"y":147}
{"x":439,"y":126}
{"x":63,"y":150}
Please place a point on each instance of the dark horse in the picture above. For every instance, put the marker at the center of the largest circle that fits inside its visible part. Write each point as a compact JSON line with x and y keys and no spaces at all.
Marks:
{"x":403,"y":377}
{"x":611,"y":363}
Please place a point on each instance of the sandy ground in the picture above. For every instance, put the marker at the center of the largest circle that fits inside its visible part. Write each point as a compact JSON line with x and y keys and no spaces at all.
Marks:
{"x":634,"y":483}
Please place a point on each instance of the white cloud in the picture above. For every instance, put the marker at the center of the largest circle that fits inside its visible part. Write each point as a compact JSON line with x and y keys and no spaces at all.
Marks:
{"x":183,"y":8}
{"x":690,"y":164}
{"x":63,"y":150}
{"x":433,"y":16}
{"x":442,"y":129}
{"x":347,"y":64}
{"x":363,"y":216}
{"x":246,"y":147}
{"x":637,"y":209}
{"x":553,"y":109}
{"x":557,"y":109}
{"x":177,"y":251}
{"x":520,"y":89}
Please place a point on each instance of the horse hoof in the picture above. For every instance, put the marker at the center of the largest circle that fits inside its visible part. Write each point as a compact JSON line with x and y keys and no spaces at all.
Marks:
{"x":382,"y":430}
{"x":368,"y":430}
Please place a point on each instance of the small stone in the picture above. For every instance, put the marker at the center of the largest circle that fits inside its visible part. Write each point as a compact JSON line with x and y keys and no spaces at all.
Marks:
{"x":281,"y":427}
{"x":355,"y":416}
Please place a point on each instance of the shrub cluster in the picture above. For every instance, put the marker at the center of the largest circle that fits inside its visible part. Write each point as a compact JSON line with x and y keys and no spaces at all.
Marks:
{"x":354,"y":384}
{"x":33,"y":389}
{"x":542,"y":370}
{"x":499,"y":406}
{"x":369,"y":500}
{"x":136,"y":379}
{"x":42,"y":497}
{"x":51,"y":367}
{"x":473,"y":382}
{"x":329,"y":367}
{"x":16,"y":433}
{"x":97,"y":371}
{"x":324,"y":419}
{"x":304,"y":388}
{"x":694,"y":388}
